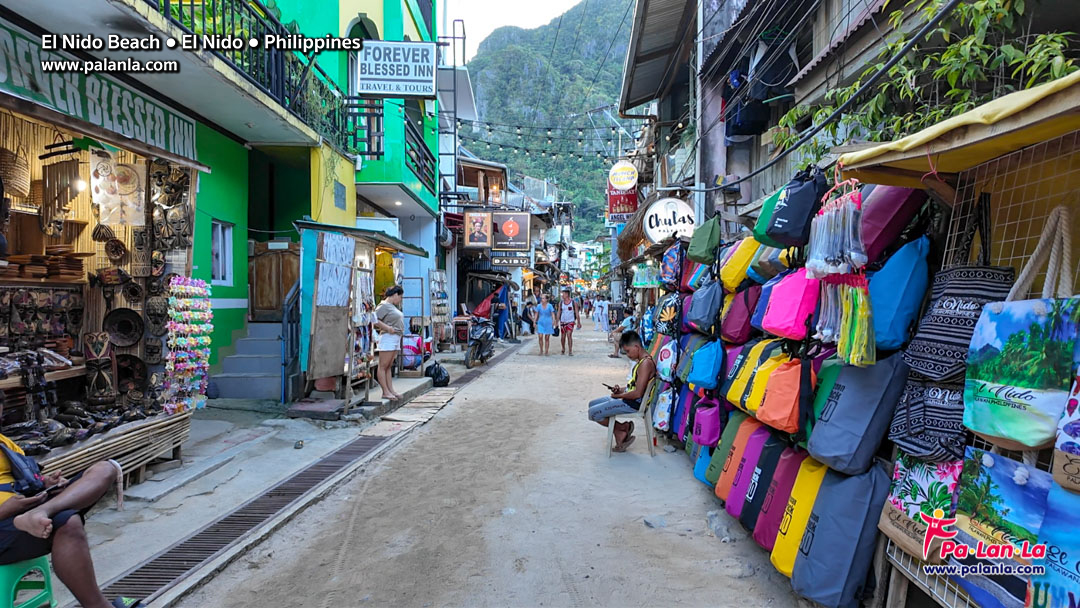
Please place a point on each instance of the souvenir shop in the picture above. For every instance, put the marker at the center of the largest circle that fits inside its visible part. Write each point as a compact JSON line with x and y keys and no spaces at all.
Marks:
{"x":343,"y":271}
{"x":104,"y":338}
{"x":894,"y":347}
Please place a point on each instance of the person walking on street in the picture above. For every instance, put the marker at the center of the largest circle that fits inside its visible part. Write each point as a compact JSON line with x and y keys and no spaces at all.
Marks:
{"x":544,"y":317}
{"x":603,"y":308}
{"x":390,"y":322}
{"x":569,"y":318}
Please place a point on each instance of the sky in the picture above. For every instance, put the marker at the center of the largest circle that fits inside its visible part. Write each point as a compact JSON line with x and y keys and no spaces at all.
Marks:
{"x":484,"y":16}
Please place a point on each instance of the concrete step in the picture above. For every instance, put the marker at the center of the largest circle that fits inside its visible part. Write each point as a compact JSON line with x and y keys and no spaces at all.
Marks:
{"x":263,"y":330}
{"x":248,"y":385}
{"x":258,"y":346}
{"x":263,"y":364}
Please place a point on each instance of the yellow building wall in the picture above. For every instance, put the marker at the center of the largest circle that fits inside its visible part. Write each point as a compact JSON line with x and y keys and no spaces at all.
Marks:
{"x":327,"y":168}
{"x":348,"y":9}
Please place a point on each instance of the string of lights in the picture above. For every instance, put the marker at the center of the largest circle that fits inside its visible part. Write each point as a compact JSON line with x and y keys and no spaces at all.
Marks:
{"x":544,"y":152}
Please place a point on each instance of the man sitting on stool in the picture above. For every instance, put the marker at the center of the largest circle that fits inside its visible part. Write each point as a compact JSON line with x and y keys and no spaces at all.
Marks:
{"x":51,"y":521}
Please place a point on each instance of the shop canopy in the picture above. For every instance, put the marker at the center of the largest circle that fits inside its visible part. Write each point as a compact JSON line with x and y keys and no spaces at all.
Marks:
{"x":495,"y":278}
{"x":999,"y":127}
{"x":379,"y":239}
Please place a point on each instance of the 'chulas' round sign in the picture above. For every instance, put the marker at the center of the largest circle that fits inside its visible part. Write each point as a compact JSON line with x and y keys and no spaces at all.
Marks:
{"x":666,"y":217}
{"x":623,"y":175}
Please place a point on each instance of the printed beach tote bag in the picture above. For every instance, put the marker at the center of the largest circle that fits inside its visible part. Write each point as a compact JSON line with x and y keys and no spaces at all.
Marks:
{"x":744,"y":471}
{"x":856,"y":417}
{"x":671,"y":265}
{"x":800,"y":503}
{"x":957,"y":295}
{"x":727,"y":440}
{"x":734,"y":457}
{"x":663,"y":351}
{"x":648,"y":326}
{"x":929,"y":420}
{"x":662,"y":396}
{"x":837,"y":548}
{"x":1059,"y":587}
{"x":896,"y":294}
{"x":998,"y":501}
{"x":918,"y":487}
{"x":759,"y":482}
{"x":669,"y":314}
{"x":1067,"y":445}
{"x":776,"y":498}
{"x":1022,"y":356}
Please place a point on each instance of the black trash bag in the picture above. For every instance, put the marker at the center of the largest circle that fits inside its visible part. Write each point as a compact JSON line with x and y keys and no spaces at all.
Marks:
{"x":438,"y":374}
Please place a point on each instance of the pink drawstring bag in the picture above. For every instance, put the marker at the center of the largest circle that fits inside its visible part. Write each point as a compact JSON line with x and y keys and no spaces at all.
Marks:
{"x":707,"y":422}
{"x":793,"y":300}
{"x":745,"y":472}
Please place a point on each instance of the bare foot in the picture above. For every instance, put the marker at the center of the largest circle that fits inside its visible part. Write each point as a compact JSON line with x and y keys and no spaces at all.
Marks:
{"x":35,"y":523}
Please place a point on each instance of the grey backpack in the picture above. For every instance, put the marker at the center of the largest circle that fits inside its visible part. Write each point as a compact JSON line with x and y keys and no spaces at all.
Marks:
{"x":705,"y":306}
{"x":837,"y":548}
{"x":856,"y":416}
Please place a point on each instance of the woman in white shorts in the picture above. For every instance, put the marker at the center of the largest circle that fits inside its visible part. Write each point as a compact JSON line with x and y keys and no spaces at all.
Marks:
{"x":390,"y":322}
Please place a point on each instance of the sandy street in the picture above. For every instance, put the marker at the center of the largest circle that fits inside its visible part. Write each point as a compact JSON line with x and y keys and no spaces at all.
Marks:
{"x":507,"y":498}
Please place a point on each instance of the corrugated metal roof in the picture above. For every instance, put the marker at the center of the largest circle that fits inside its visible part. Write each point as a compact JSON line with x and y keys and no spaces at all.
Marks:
{"x":658,"y":33}
{"x":838,"y":41}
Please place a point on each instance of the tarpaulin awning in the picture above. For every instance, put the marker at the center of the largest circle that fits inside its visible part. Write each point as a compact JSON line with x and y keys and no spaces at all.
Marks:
{"x":1004,"y":125}
{"x":380,"y":239}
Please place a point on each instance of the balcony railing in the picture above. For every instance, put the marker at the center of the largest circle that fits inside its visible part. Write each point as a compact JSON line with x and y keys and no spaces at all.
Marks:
{"x":293,"y":81}
{"x":367,"y":137}
{"x":417,"y":156}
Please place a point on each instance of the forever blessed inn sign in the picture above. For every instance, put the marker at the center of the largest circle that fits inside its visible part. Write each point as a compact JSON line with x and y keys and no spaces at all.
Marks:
{"x":666,"y":217}
{"x":396,"y":69}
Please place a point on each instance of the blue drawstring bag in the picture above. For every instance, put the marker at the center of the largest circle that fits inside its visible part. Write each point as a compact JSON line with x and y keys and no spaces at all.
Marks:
{"x":896,"y":294}
{"x":706,"y":366}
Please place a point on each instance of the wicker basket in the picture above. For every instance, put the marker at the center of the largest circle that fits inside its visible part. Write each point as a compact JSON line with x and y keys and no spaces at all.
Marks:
{"x":37,"y":193}
{"x":15,"y":171}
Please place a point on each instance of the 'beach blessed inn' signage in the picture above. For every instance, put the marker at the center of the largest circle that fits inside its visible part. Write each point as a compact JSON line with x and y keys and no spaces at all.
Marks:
{"x":666,"y":217}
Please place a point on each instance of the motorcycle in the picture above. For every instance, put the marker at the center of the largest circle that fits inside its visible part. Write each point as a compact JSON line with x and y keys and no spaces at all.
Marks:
{"x":481,"y":342}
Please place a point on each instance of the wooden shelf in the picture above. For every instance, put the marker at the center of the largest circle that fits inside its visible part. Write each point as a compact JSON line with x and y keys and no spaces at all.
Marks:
{"x":60,"y":374}
{"x":35,"y":213}
{"x":39,"y":281}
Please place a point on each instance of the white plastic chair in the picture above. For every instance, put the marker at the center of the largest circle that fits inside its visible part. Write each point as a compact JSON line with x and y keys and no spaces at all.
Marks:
{"x":646,"y":419}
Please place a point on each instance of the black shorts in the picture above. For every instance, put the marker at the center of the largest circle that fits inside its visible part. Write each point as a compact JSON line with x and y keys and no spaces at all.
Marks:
{"x":18,"y":546}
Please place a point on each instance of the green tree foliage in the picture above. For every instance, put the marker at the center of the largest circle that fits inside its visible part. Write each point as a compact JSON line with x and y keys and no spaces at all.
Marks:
{"x":519,"y":80}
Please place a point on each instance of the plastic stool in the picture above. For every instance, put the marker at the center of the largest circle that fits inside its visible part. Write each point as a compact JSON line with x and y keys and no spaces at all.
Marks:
{"x":11,"y":583}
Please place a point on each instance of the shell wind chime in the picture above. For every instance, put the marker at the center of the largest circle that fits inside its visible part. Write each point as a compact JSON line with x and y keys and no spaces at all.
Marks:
{"x":60,"y":185}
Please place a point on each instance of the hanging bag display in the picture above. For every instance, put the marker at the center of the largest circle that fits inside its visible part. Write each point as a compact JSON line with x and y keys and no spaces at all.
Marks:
{"x":800,"y":200}
{"x":662,"y":396}
{"x":734,"y":457}
{"x":744,"y":471}
{"x":707,"y":422}
{"x":733,"y":269}
{"x":929,"y":420}
{"x":796,"y":513}
{"x":689,"y":344}
{"x":684,"y":401}
{"x":768,"y":207}
{"x":708,"y":362}
{"x":684,"y":324}
{"x":669,"y":314}
{"x":792,"y":301}
{"x":1059,"y":586}
{"x":693,"y":275}
{"x":827,"y":375}
{"x":886,"y":211}
{"x":759,"y":382}
{"x":1022,"y":355}
{"x":723,"y":447}
{"x":1067,"y":444}
{"x":762,"y":268}
{"x":856,"y":417}
{"x":780,"y":407}
{"x":671,"y":265}
{"x":776,"y":497}
{"x":735,"y":322}
{"x":704,"y":241}
{"x":897,"y":292}
{"x":648,"y":326}
{"x":701,"y":465}
{"x":739,"y":384}
{"x":762,"y":475}
{"x":837,"y":548}
{"x":998,"y":501}
{"x":663,"y":352}
{"x":918,"y":487}
{"x":763,"y":301}
{"x":705,"y":307}
{"x":940,"y":345}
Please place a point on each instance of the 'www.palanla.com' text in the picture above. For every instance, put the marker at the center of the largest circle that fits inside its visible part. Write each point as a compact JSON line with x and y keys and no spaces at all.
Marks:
{"x":96,"y":66}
